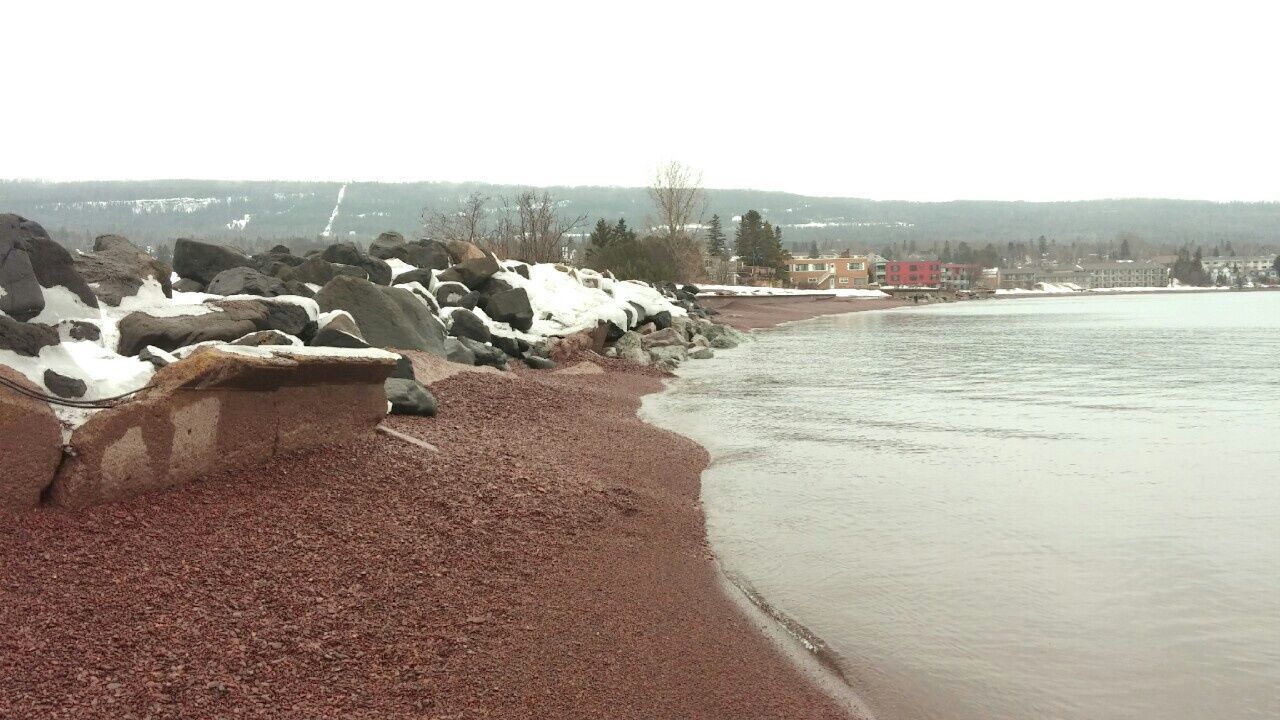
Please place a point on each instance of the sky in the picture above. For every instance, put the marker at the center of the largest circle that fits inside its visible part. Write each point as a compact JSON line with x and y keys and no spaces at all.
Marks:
{"x":886,"y":100}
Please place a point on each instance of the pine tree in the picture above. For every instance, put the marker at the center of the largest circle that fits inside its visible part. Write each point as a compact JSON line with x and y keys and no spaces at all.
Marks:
{"x":1126,"y":252}
{"x":602,"y":235}
{"x":747,"y":239}
{"x":813,"y":249}
{"x":1276,"y":264}
{"x":715,"y":239}
{"x":622,"y":233}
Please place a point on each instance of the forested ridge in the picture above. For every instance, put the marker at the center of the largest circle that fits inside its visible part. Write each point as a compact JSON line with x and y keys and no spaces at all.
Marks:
{"x":153,"y":212}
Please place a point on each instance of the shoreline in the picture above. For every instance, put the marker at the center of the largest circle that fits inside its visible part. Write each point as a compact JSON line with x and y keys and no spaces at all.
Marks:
{"x":550,"y":560}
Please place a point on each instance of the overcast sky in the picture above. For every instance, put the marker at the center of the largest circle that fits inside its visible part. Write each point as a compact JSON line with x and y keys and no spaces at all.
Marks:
{"x":891,"y":100}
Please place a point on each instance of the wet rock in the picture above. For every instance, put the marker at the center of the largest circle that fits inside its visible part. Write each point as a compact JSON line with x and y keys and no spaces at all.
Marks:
{"x":702,"y":353}
{"x":631,"y":347}
{"x":64,"y":386}
{"x":662,"y":338}
{"x":203,"y":261}
{"x":409,"y":397}
{"x":678,"y":353}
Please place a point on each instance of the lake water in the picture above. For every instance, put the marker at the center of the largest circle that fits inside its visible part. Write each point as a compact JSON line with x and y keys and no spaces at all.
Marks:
{"x":1011,"y":510}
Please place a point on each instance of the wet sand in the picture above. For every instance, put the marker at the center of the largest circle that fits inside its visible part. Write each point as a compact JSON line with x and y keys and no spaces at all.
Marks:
{"x":549,"y":561}
{"x":758,"y":312}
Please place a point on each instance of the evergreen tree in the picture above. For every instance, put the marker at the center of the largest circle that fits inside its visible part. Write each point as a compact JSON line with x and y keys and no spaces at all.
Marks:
{"x":715,"y":239}
{"x":602,"y":234}
{"x":1276,"y":264}
{"x":813,"y":251}
{"x":1126,"y":253}
{"x":748,"y":239}
{"x":622,"y":233}
{"x":1043,"y":246}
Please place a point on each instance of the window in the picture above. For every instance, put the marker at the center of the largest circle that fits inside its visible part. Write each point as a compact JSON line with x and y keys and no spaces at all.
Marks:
{"x":913,"y":268}
{"x":813,"y":281}
{"x":800,"y":267}
{"x":844,"y":281}
{"x":856,"y":266}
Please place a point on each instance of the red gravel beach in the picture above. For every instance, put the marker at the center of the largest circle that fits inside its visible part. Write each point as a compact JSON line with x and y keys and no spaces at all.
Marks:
{"x":752,"y":312}
{"x":548,"y":562}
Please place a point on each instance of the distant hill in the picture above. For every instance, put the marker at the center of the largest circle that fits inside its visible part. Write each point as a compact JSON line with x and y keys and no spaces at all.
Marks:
{"x":254,"y":213}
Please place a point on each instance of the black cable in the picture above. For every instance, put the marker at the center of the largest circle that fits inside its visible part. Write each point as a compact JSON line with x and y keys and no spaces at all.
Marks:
{"x":99,"y":404}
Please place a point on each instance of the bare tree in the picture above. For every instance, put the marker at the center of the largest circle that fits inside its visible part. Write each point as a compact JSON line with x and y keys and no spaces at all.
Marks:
{"x":532,"y":231}
{"x":679,"y":203}
{"x":468,"y":221}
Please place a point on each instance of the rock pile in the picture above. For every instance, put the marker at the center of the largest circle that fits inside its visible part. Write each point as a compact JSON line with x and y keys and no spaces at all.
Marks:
{"x":98,"y":324}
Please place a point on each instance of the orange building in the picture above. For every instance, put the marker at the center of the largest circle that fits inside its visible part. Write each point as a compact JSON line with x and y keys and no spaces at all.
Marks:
{"x":830,"y":273}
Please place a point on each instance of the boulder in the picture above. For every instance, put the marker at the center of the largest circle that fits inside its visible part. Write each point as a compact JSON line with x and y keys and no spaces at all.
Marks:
{"x":378,"y":271}
{"x":318,"y":271}
{"x":494,"y":285}
{"x":456,"y":352}
{"x":216,"y":410}
{"x":387,"y":316}
{"x":473,"y":273}
{"x":661,"y":320}
{"x":293,"y":287}
{"x":54,"y":266}
{"x":234,"y":319}
{"x":677,"y":353}
{"x":203,"y":261}
{"x":117,"y":268}
{"x":20,"y":295}
{"x":64,"y":386}
{"x":663,"y":338}
{"x":461,"y":251}
{"x":389,"y":245}
{"x":631,"y":347}
{"x":508,"y":345}
{"x":26,"y":338}
{"x":485,"y":354}
{"x":188,"y":285}
{"x":156,"y":356}
{"x":511,"y":307}
{"x":427,"y":254}
{"x":593,"y":340}
{"x":30,"y":444}
{"x":245,"y":281}
{"x":420,"y":275}
{"x":451,"y":294}
{"x":702,"y":353}
{"x":522,"y":270}
{"x":340,"y":331}
{"x":539,"y":363}
{"x":404,"y":368}
{"x":691,"y":289}
{"x":464,"y":323}
{"x":409,"y":397}
{"x":78,"y":330}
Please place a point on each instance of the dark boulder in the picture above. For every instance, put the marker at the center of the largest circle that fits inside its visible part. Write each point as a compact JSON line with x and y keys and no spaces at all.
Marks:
{"x":80,"y":330}
{"x":387,"y":316}
{"x":404,"y":368}
{"x":640,"y":313}
{"x":539,"y":363}
{"x":473,"y":273}
{"x":283,"y":316}
{"x":63,"y":386}
{"x":54,"y":266}
{"x":522,"y":270}
{"x":245,"y":281}
{"x":281,"y":250}
{"x":691,"y":290}
{"x":203,"y":261}
{"x":26,"y":338}
{"x":419,"y":276}
{"x":427,"y":254}
{"x":20,"y":294}
{"x":293,"y":287}
{"x":464,"y":323}
{"x":485,"y":354}
{"x":455,"y":351}
{"x":389,"y":245}
{"x":117,"y":269}
{"x":426,"y":297}
{"x":511,"y":307}
{"x":495,"y":285}
{"x":508,"y":345}
{"x":188,"y":285}
{"x":233,"y":320}
{"x":450,"y":294}
{"x":409,"y":397}
{"x":154,"y":357}
{"x":661,"y":320}
{"x":378,"y":271}
{"x":340,"y":331}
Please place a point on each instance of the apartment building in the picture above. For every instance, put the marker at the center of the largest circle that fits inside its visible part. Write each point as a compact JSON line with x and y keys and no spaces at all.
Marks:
{"x":830,"y":273}
{"x":913,"y":273}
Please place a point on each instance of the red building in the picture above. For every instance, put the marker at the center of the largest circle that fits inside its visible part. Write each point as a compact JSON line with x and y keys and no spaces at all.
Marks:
{"x":913,"y":273}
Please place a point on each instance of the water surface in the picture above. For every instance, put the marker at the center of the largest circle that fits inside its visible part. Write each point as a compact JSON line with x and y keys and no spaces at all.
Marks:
{"x":1011,"y":510}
